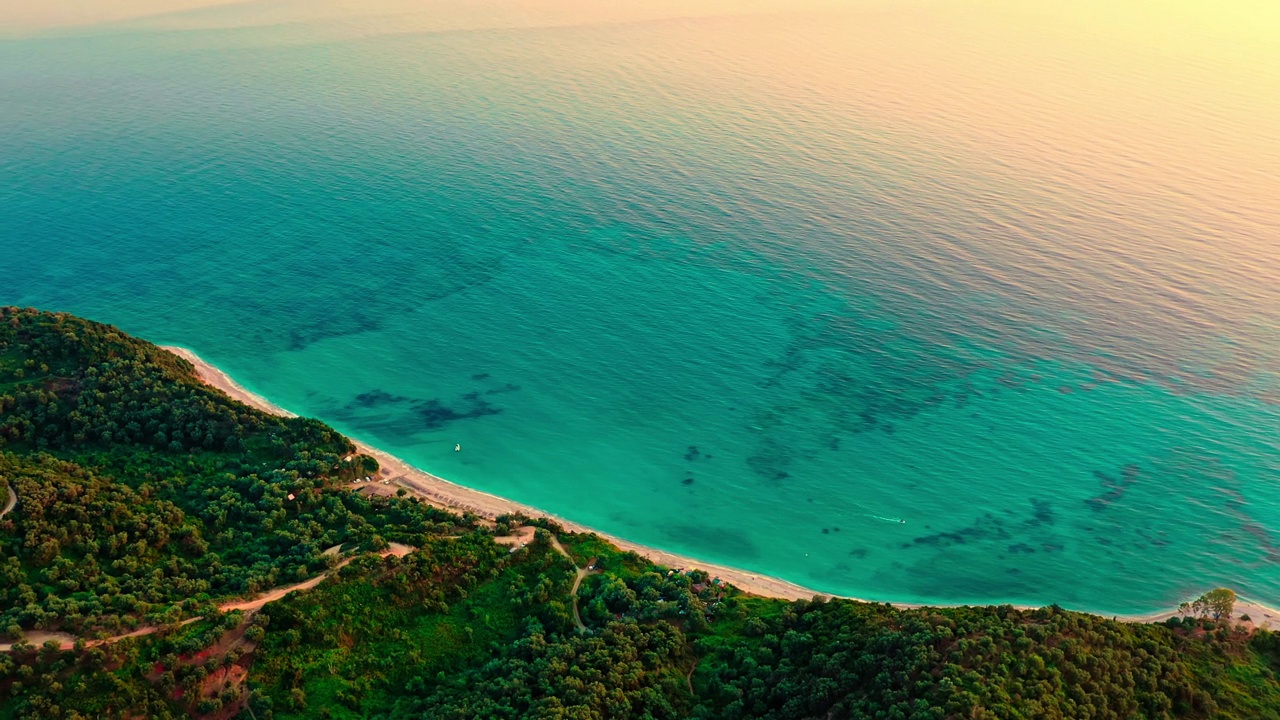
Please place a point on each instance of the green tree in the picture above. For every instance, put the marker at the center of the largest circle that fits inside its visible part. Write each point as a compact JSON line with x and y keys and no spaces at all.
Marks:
{"x":1219,"y":603}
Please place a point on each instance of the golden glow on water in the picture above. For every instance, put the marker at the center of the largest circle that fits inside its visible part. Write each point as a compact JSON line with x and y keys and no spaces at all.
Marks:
{"x":1155,"y":121}
{"x":940,"y":257}
{"x":361,"y":17}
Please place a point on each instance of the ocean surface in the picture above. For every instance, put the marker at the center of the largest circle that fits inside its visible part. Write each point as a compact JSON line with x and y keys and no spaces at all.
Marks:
{"x":927,"y":301}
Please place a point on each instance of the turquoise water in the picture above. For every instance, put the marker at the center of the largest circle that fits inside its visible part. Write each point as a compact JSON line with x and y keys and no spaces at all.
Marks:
{"x":907,"y":302}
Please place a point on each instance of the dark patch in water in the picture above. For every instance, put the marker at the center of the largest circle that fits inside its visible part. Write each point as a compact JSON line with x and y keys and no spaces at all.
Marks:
{"x":687,"y":481}
{"x":480,"y":376}
{"x":435,"y":414}
{"x":509,"y":387}
{"x":826,"y":531}
{"x":988,"y":527}
{"x":1160,"y":539}
{"x":328,"y":326}
{"x":1115,"y":488}
{"x":1021,"y":549}
{"x":859,"y":377}
{"x":770,"y":461}
{"x":858,"y":553}
{"x":1259,"y":533}
{"x":764,"y":470}
{"x":1042,"y":513}
{"x":374,"y":398}
{"x":1227,"y":485}
{"x":692,"y":453}
{"x":1011,"y":380}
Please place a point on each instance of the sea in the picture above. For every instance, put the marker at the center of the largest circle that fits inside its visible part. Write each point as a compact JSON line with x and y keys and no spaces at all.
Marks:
{"x":908,"y":300}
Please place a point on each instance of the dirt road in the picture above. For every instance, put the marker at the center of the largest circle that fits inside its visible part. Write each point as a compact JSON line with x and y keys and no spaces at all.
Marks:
{"x":67,"y":642}
{"x":580,"y":573}
{"x":13,"y":501}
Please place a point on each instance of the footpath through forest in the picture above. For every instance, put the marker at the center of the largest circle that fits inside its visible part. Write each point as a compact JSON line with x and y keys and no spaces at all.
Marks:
{"x":67,"y":641}
{"x":579,"y":574}
{"x":524,"y":535}
{"x":13,"y":501}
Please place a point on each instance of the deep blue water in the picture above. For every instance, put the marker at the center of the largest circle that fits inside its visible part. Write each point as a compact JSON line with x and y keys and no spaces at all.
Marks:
{"x":752,"y":288}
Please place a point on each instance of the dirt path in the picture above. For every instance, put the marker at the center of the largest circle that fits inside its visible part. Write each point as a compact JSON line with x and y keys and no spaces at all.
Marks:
{"x":580,"y":573}
{"x":67,"y":641}
{"x":577,"y":619}
{"x":274,"y":595}
{"x":518,"y":539}
{"x":523,"y":536}
{"x":13,"y":501}
{"x":555,"y":543}
{"x":40,"y":637}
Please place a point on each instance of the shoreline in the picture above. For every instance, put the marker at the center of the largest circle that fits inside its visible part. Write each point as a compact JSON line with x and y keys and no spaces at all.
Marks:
{"x":452,"y":496}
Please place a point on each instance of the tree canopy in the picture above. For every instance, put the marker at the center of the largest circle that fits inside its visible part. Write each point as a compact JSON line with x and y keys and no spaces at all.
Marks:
{"x":1219,"y":603}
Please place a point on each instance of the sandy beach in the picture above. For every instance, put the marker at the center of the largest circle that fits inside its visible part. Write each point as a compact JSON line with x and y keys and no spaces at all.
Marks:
{"x":451,"y":496}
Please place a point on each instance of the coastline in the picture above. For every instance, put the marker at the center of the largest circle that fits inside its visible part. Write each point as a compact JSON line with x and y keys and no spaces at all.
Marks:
{"x":452,"y":496}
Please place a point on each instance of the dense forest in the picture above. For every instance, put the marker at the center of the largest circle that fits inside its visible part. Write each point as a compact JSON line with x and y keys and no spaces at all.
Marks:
{"x":152,"y":504}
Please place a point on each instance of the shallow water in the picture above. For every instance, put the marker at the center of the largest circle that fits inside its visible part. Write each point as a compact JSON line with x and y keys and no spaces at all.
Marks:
{"x":929,"y":302}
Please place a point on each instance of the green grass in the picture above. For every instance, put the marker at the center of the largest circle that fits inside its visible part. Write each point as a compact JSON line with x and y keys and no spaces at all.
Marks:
{"x":730,"y":631}
{"x":585,"y":547}
{"x":11,"y":360}
{"x":362,"y":642}
{"x":1246,"y":685}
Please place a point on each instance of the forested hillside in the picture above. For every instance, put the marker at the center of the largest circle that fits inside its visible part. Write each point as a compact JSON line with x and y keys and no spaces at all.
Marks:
{"x":148,"y":502}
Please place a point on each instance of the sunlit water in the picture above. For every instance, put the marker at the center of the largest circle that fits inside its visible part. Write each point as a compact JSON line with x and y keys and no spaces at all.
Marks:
{"x":930,"y":301}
